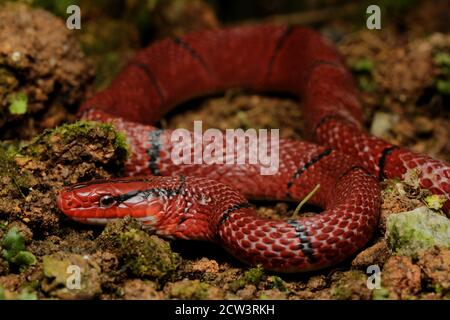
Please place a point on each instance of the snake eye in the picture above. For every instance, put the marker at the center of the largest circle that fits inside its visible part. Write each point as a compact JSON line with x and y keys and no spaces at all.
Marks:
{"x":106,"y":201}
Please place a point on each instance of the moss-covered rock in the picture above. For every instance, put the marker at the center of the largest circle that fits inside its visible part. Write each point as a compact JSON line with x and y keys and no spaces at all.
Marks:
{"x":351,"y":285}
{"x":410,"y":233}
{"x":141,"y":254}
{"x":32,"y":175}
{"x":71,"y":276}
{"x":252,"y":276}
{"x":193,"y":289}
{"x":24,"y":294}
{"x":60,"y":142}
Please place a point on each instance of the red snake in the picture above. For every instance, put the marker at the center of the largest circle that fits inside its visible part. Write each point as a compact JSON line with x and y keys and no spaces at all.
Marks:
{"x":208,"y":202}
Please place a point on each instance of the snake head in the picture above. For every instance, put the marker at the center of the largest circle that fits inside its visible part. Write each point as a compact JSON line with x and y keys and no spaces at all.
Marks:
{"x":100,"y":201}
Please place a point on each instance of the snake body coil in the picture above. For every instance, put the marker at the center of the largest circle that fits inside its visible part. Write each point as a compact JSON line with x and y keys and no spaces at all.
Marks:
{"x":208,"y":202}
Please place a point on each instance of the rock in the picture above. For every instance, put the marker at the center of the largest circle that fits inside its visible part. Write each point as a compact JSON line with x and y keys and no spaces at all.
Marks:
{"x":376,"y":254}
{"x":136,"y":289}
{"x":141,"y":254}
{"x":193,"y":289}
{"x":60,"y":271}
{"x":272,"y":294}
{"x":382,"y":123}
{"x":410,"y":233}
{"x":317,"y":283}
{"x":205,"y":265}
{"x":351,"y":285}
{"x":247,"y":293}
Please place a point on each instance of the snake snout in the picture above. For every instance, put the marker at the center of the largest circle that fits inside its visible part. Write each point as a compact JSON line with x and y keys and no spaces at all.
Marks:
{"x":66,"y":201}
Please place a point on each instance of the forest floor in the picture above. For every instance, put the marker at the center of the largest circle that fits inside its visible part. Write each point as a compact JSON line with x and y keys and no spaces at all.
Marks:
{"x":404,"y":80}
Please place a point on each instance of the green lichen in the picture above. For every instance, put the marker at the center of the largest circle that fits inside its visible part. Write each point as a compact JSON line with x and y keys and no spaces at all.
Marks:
{"x":435,"y":201}
{"x":277,"y":283}
{"x":251,"y":276}
{"x":142,"y":255}
{"x":18,"y":103}
{"x":71,"y":276}
{"x":254,"y":275}
{"x":410,"y":233}
{"x":380,"y":294}
{"x":120,"y":143}
{"x":24,"y":294}
{"x":352,"y":285}
{"x":190,"y":289}
{"x":14,"y":252}
{"x":364,"y":68}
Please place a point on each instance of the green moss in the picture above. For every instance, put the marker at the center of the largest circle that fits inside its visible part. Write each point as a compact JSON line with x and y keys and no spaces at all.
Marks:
{"x":13,"y":245}
{"x":24,"y":294}
{"x":190,"y":289}
{"x":18,"y":103}
{"x":277,"y":283}
{"x":442,"y":60}
{"x":254,"y":275}
{"x":76,"y":131}
{"x":71,"y":276}
{"x":120,"y":143}
{"x":380,"y":294}
{"x":251,"y":276}
{"x":350,"y":285}
{"x":435,"y":201}
{"x":410,"y":233}
{"x":142,"y":255}
{"x":364,"y":65}
{"x":443,"y":86}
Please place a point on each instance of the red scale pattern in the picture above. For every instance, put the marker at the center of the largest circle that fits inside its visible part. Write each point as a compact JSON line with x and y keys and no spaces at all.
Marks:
{"x":267,"y":58}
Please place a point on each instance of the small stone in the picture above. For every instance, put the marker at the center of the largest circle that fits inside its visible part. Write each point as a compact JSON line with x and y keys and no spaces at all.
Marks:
{"x":410,"y":233}
{"x":374,"y":255}
{"x":247,"y":293}
{"x":60,"y":272}
{"x":136,"y":289}
{"x":317,"y":283}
